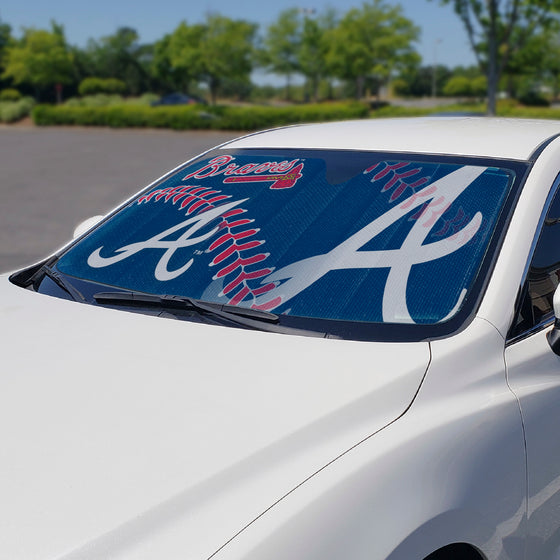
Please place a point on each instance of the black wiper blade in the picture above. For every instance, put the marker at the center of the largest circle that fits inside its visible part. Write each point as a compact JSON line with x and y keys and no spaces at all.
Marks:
{"x":61,"y":282}
{"x":165,"y":301}
{"x":250,"y":318}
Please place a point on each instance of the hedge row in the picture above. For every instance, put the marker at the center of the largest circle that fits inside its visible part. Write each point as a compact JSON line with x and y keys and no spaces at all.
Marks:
{"x":459,"y":108}
{"x":91,"y":86}
{"x":397,"y":111}
{"x":530,"y":112}
{"x":10,"y":94}
{"x":505,"y":108}
{"x":196,"y":117}
{"x":110,"y":99}
{"x":12,"y":111}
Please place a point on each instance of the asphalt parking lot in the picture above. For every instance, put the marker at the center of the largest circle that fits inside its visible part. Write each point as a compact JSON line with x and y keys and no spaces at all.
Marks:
{"x":53,"y":178}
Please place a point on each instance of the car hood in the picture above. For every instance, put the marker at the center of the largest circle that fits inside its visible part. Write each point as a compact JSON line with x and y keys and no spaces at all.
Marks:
{"x":129,"y":436}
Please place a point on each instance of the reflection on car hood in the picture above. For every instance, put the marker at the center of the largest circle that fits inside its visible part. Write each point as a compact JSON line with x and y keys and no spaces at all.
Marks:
{"x":127,"y":436}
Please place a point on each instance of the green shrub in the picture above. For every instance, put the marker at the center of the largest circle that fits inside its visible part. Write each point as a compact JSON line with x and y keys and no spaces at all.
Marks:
{"x":106,"y":100}
{"x":97,"y":100}
{"x":397,"y":111}
{"x":530,"y":112}
{"x":457,"y":86}
{"x":252,"y":118}
{"x":533,"y":99}
{"x":186,"y":117}
{"x":12,"y":111}
{"x":10,"y":94}
{"x":479,"y":86}
{"x":92,"y":86}
{"x":506,"y":104}
{"x":119,"y":116}
{"x":400,"y":87}
{"x":441,"y":110}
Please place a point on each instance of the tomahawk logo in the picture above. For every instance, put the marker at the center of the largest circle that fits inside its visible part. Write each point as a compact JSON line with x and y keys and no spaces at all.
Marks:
{"x":281,"y":174}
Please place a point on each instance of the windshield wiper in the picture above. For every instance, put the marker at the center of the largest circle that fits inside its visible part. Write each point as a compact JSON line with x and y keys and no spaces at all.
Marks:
{"x":247,"y":317}
{"x":182,"y":302}
{"x":170,"y":302}
{"x":62,"y":283}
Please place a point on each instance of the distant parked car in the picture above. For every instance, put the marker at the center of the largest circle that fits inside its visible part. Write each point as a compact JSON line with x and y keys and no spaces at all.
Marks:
{"x":335,"y":341}
{"x":178,"y":99}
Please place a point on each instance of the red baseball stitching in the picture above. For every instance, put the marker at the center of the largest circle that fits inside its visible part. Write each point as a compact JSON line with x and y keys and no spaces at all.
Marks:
{"x":397,"y":178}
{"x":233,"y":243}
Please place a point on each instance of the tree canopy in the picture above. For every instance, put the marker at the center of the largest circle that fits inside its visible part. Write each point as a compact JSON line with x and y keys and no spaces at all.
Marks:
{"x":120,"y":56}
{"x":371,"y":42}
{"x":497,"y":30}
{"x":225,"y":51}
{"x":5,"y":40}
{"x":41,"y":58}
{"x":214,"y":51}
{"x":313,"y":48}
{"x":281,"y":46}
{"x":180,"y":51}
{"x":321,"y":54}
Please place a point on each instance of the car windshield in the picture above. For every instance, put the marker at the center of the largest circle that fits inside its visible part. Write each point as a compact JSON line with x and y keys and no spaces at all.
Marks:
{"x":342,"y":236}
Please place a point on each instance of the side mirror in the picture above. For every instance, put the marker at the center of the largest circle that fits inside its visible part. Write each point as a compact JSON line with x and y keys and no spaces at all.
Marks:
{"x":554,"y":335}
{"x":86,"y":225}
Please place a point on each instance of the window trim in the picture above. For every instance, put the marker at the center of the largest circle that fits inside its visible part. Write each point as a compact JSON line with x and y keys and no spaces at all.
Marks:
{"x":549,"y":318}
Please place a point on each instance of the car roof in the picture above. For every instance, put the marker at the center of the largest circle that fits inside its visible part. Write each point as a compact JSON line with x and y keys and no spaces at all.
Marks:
{"x":466,"y":136}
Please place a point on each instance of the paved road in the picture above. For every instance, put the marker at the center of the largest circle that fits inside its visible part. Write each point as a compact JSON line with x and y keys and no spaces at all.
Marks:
{"x":53,"y":178}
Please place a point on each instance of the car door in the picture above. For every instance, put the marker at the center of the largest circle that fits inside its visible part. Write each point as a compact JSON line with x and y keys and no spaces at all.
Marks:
{"x":533,"y":371}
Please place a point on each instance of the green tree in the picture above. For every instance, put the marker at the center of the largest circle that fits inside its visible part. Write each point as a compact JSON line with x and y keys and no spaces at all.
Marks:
{"x":470,"y":72}
{"x":497,"y":30}
{"x":167,"y":69}
{"x":538,"y":63}
{"x":5,"y":41}
{"x":83,"y":65}
{"x":457,"y":86}
{"x":417,"y":81}
{"x":550,"y":61}
{"x":179,"y":55}
{"x":313,"y":48}
{"x":479,"y":86}
{"x":226,"y":51}
{"x":94,"y":86}
{"x":462,"y":86}
{"x":234,"y":88}
{"x":220,"y":49}
{"x":281,"y":46}
{"x":123,"y":57}
{"x":370,"y":43}
{"x":41,"y":58}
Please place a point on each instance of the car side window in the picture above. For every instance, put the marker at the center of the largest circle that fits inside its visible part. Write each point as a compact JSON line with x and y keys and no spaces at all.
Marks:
{"x":543,"y":276}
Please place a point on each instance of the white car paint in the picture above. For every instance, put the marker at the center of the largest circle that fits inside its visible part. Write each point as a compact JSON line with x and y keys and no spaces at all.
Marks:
{"x":502,"y":290}
{"x":500,"y":138}
{"x":157,"y":433}
{"x":450,"y":470}
{"x":131,"y":437}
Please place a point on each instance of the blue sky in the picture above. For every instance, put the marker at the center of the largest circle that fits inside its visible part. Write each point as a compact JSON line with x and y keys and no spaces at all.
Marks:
{"x":443,"y":36}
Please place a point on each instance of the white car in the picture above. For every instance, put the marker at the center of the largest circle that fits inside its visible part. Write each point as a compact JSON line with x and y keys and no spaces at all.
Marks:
{"x":322,"y":342}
